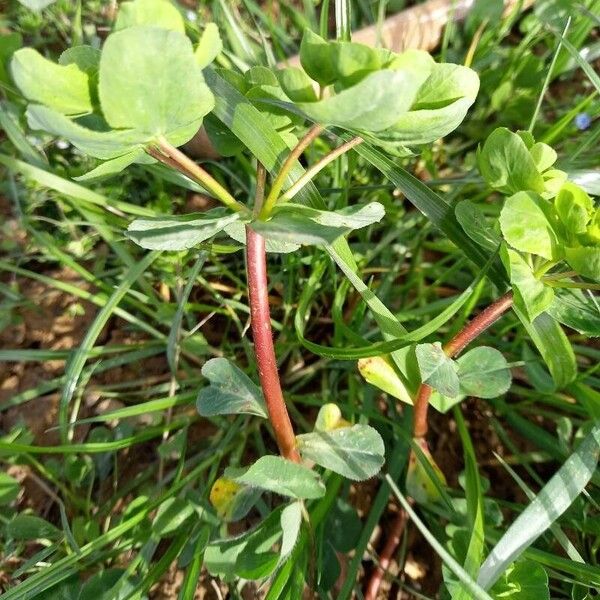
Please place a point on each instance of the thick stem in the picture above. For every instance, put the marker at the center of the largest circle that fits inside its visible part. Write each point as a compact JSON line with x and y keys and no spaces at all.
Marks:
{"x":313,"y":133}
{"x":256,"y":264}
{"x":455,"y":346}
{"x":385,"y":558}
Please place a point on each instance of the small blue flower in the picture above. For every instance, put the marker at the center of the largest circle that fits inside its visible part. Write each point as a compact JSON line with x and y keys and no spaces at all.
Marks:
{"x":583,"y":121}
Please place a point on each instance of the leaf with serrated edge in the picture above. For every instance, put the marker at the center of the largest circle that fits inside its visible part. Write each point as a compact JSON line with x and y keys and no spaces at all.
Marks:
{"x":355,"y":452}
{"x":284,"y":477}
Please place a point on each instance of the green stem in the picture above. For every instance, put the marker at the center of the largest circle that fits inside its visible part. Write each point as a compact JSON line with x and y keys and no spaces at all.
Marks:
{"x":294,"y":155}
{"x":176,"y":159}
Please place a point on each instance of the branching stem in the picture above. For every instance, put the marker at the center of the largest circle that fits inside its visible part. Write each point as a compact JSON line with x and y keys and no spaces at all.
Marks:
{"x":310,"y":173}
{"x":313,"y":133}
{"x":455,"y":346}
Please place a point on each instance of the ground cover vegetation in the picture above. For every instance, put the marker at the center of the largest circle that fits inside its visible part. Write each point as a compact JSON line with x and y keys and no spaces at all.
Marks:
{"x":348,"y":351}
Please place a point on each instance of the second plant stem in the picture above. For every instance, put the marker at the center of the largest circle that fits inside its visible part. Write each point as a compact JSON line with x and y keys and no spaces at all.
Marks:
{"x":455,"y":346}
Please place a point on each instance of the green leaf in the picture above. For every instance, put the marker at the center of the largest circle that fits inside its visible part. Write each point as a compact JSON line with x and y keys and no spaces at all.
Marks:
{"x":179,"y":232}
{"x":531,"y":295}
{"x":29,"y":527}
{"x":63,"y":88}
{"x":437,"y":369}
{"x":483,"y":372}
{"x":524,"y":580}
{"x":507,"y":165}
{"x":36,"y":5}
{"x":159,"y":90}
{"x":574,"y":208}
{"x":171,"y":516}
{"x":291,"y":520}
{"x":373,"y":104}
{"x":355,"y":452}
{"x":9,"y":489}
{"x":439,"y":106}
{"x":526,"y":227}
{"x":157,"y":13}
{"x":113,"y":166}
{"x":284,"y":477}
{"x":296,"y":84}
{"x":424,"y":479}
{"x":577,"y":310}
{"x":294,"y":223}
{"x":101,"y":144}
{"x":87,"y":59}
{"x":249,"y":555}
{"x":230,"y":391}
{"x":585,"y":260}
{"x":552,"y":501}
{"x":475,"y":225}
{"x":209,"y":46}
{"x":316,"y":58}
{"x":101,"y":586}
{"x":378,"y":371}
{"x":237,"y":231}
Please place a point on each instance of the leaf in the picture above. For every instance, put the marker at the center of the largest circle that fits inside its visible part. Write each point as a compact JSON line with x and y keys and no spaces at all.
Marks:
{"x":100,"y":144}
{"x":507,"y":165}
{"x":87,"y":59}
{"x":437,"y":369}
{"x":475,"y":225}
{"x":525,"y":225}
{"x":294,"y":223}
{"x":373,"y":104}
{"x":329,"y":418}
{"x":577,"y":310}
{"x":317,"y":58}
{"x":552,"y":501}
{"x":378,"y":371}
{"x":291,"y":520}
{"x":29,"y":527}
{"x":284,"y":477}
{"x":63,"y":88}
{"x":237,"y":231}
{"x":296,"y":84}
{"x":157,"y":13}
{"x":159,"y":90}
{"x":231,"y":500}
{"x":249,"y":555}
{"x":483,"y":372}
{"x":422,"y":470}
{"x":439,"y":107}
{"x":524,"y":580}
{"x":230,"y":391}
{"x":585,"y":260}
{"x":355,"y":452}
{"x":112,"y":166}
{"x":108,"y":584}
{"x":171,"y":516}
{"x":9,"y":489}
{"x":209,"y":46}
{"x":36,"y":5}
{"x":531,"y":295}
{"x":574,"y":208}
{"x":179,"y":232}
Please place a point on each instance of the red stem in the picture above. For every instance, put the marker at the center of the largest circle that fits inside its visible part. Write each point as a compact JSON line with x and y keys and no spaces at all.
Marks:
{"x":485,"y":319}
{"x":385,"y":558}
{"x":256,"y":264}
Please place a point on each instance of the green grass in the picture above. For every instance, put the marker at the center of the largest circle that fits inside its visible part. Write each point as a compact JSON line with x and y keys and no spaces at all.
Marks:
{"x":108,"y":470}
